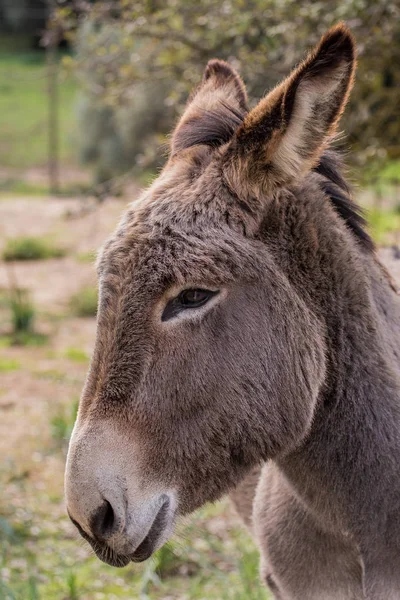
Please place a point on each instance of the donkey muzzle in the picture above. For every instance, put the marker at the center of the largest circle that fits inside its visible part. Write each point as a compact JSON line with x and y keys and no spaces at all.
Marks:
{"x":115,"y":506}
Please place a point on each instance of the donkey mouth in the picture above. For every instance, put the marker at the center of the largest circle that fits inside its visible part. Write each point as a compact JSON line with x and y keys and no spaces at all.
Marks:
{"x":145,"y":548}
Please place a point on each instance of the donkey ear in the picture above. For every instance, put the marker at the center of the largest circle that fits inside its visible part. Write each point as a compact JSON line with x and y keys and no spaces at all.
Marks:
{"x":286,"y":133}
{"x":221,"y":90}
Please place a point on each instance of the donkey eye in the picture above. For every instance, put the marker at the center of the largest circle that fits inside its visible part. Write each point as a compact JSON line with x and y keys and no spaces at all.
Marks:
{"x":194,"y":298}
{"x":190,"y":298}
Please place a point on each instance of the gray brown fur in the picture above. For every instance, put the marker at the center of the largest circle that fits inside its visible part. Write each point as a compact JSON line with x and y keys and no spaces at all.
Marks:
{"x":286,"y":391}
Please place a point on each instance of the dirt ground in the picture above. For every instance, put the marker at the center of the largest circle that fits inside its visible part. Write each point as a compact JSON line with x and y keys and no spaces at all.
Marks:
{"x":40,"y":384}
{"x":26,"y":392}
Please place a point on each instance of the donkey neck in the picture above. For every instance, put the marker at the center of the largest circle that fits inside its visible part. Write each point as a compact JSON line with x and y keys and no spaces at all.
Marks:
{"x":347,"y":471}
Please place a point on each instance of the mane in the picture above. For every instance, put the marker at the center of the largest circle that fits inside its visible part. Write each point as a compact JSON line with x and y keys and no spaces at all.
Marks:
{"x":216,"y":127}
{"x":336,"y":188}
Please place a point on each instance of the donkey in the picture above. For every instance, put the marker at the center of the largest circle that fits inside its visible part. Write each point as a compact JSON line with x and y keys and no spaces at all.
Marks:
{"x":248,"y":342}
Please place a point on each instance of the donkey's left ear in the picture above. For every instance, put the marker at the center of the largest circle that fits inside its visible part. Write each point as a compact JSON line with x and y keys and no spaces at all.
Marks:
{"x":221,"y":90}
{"x":286,"y":133}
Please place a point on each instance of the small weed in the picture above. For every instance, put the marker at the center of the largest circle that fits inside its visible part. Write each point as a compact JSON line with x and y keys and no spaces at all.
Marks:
{"x":22,"y":311}
{"x":76,"y":355}
{"x":31,"y":248}
{"x":22,"y":318}
{"x":84,"y":303}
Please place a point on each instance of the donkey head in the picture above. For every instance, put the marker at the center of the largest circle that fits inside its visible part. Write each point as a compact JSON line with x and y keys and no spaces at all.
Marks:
{"x":206,"y":360}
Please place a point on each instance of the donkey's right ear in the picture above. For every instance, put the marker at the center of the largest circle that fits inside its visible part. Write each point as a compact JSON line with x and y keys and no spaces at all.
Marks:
{"x":221,"y":87}
{"x":283,"y":137}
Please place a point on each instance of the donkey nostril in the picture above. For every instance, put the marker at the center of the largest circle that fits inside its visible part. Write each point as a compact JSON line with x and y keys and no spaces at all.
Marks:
{"x":109,"y":517}
{"x":103,"y":521}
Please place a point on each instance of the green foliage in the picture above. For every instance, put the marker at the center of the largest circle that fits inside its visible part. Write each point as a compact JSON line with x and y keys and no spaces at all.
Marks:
{"x":115,"y":138}
{"x":84,"y":303}
{"x":168,"y":44}
{"x":31,"y":248}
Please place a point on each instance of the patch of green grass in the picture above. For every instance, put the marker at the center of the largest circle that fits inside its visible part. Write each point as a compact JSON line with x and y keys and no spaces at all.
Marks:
{"x":76,"y":355}
{"x":207,"y":566}
{"x":84,"y":303}
{"x":24,"y":110}
{"x":31,"y":248}
{"x":8,"y":364}
{"x":384,"y":225}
